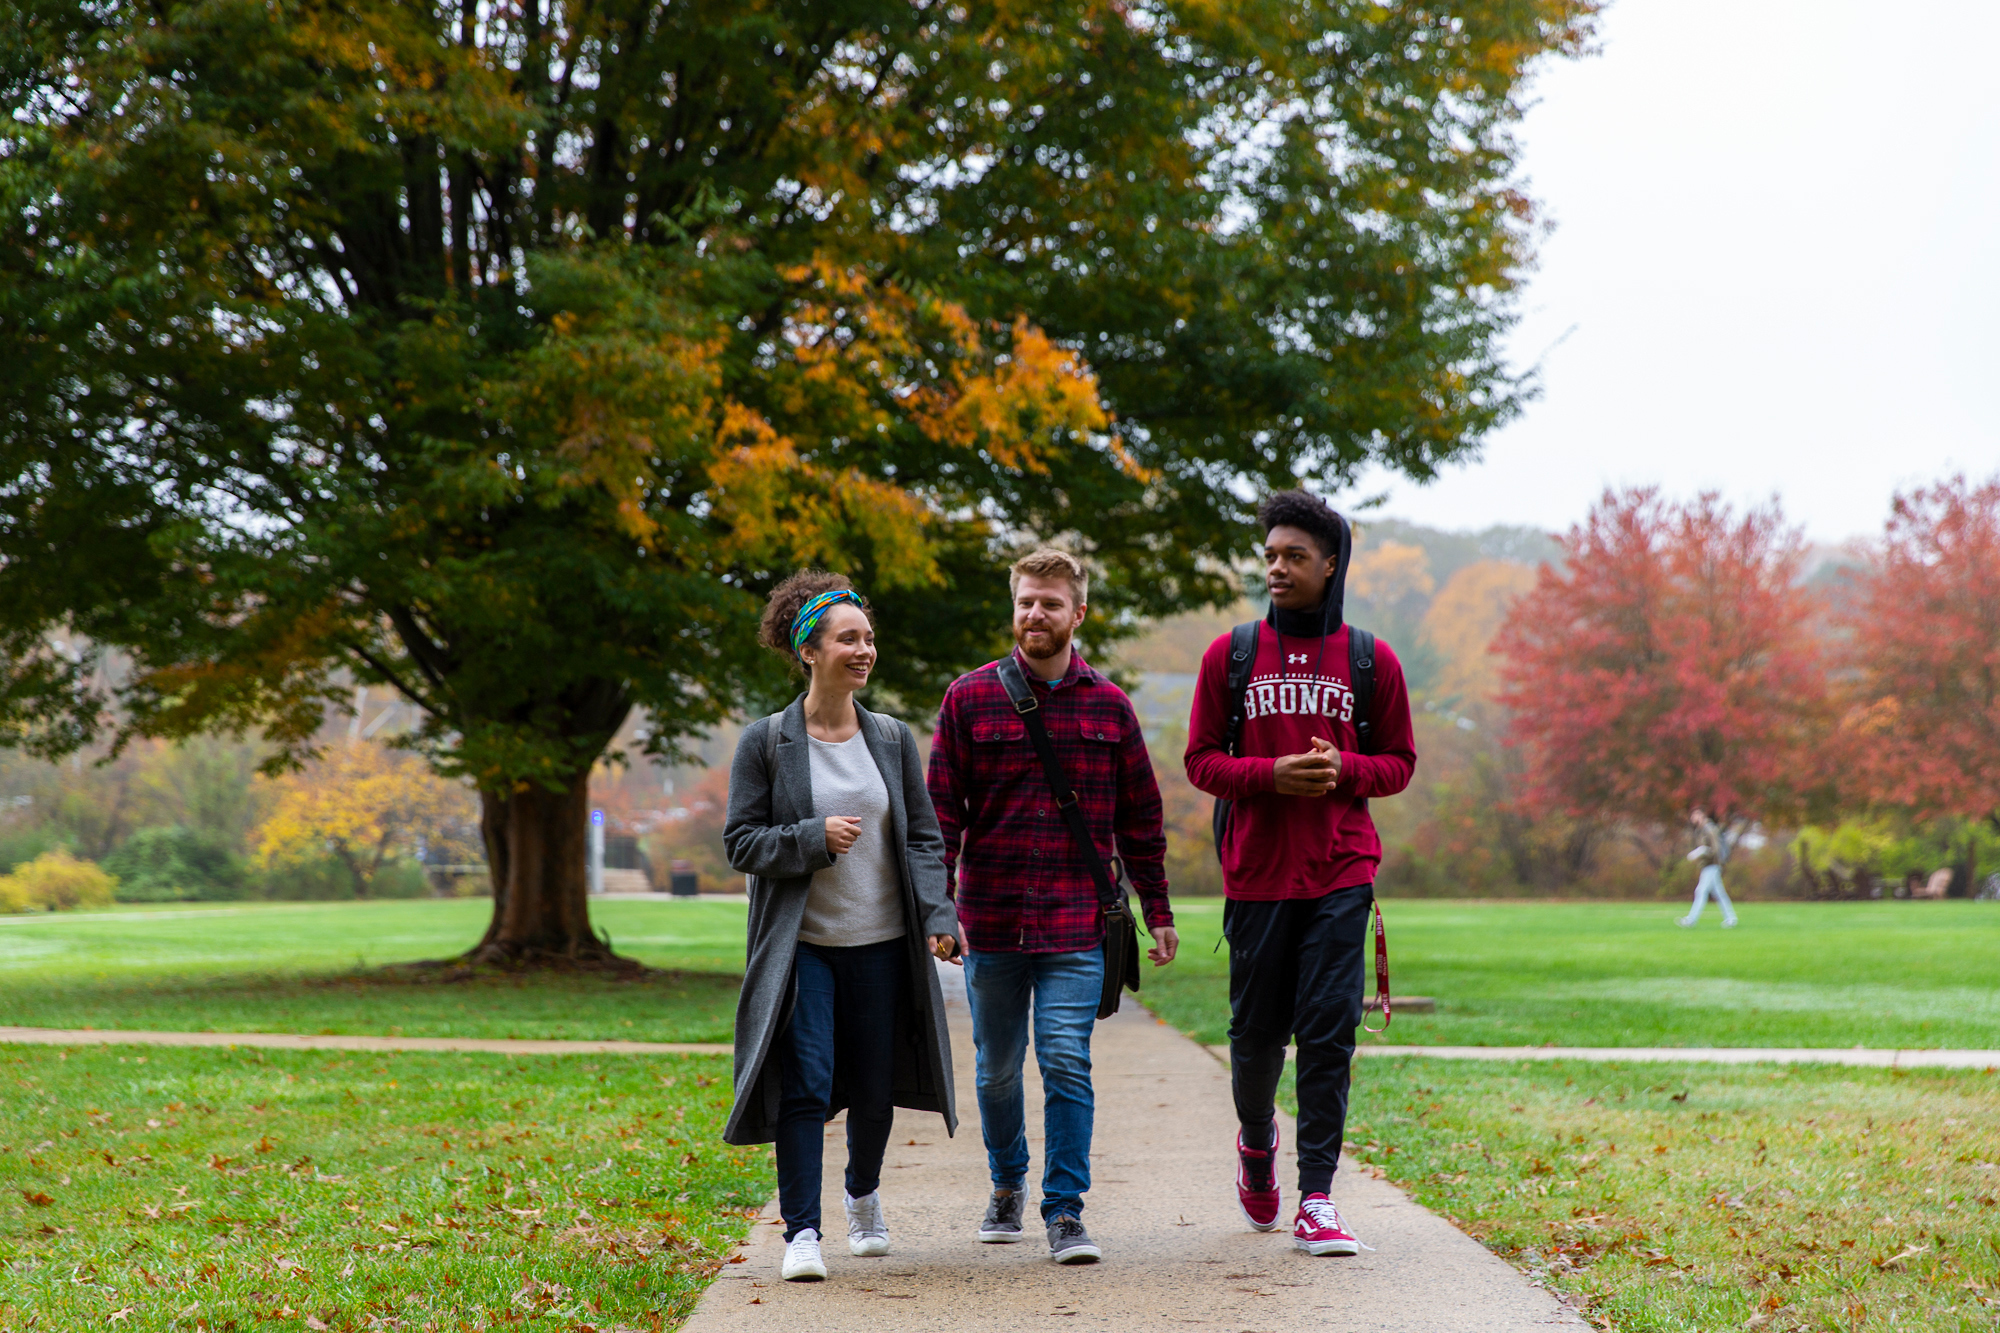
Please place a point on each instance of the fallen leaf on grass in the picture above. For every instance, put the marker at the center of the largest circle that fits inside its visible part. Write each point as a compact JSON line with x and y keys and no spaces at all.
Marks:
{"x":37,"y":1198}
{"x":1909,"y":1252}
{"x":314,"y":1323}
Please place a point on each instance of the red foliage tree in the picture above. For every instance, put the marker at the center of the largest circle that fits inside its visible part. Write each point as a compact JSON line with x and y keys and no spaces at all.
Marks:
{"x":1922,"y":727}
{"x":1669,"y":663}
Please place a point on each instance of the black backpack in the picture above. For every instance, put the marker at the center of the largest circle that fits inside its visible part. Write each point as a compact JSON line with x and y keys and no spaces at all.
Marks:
{"x":1243,"y":659}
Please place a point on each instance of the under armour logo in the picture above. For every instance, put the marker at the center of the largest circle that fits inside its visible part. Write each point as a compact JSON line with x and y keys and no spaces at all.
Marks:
{"x":1295,"y":659}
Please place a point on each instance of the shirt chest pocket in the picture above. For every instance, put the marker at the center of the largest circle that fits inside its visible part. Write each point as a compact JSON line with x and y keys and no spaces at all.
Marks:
{"x":999,"y":731}
{"x":1095,"y":762}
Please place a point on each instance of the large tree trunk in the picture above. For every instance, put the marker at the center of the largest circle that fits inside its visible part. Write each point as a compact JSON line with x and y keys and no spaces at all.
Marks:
{"x":536,"y":844}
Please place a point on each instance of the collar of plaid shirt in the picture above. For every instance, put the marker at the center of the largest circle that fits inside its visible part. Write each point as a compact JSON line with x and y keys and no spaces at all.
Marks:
{"x":1020,"y":884}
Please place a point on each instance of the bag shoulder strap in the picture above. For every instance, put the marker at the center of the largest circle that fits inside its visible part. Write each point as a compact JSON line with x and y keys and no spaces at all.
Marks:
{"x":775,"y":720}
{"x":1022,"y":696}
{"x":1242,"y":661}
{"x":1361,"y":679}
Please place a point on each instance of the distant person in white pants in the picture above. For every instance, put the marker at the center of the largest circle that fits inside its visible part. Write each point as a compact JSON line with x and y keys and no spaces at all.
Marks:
{"x":1714,"y":844}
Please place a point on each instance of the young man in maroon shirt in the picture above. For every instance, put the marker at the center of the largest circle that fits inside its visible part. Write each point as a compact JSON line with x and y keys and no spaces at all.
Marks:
{"x":1027,"y":903}
{"x":1299,"y":854}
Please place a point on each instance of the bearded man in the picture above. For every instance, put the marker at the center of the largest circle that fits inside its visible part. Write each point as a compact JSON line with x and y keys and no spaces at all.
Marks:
{"x":1027,"y":902}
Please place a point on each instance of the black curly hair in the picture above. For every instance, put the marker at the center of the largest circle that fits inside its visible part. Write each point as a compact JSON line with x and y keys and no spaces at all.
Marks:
{"x":1304,"y":511}
{"x":774,"y":631}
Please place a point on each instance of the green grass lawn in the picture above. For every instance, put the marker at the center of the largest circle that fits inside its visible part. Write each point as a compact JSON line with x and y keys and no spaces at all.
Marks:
{"x":316,"y":968}
{"x":225,"y":1190}
{"x":184,"y":1186}
{"x":1891,"y":974}
{"x":1679,"y":1198}
{"x":1503,"y":973}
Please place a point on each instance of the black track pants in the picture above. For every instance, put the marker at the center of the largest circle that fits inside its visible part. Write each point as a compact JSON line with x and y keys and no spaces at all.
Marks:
{"x":1296,"y":970}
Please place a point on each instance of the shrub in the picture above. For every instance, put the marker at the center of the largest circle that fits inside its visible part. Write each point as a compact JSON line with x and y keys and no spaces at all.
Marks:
{"x":329,"y":879}
{"x":174,"y":864}
{"x":400,"y":879}
{"x":21,"y":845}
{"x":55,"y":882}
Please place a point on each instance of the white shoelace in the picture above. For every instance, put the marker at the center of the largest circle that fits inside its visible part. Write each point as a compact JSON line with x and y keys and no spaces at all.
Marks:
{"x":1323,"y":1213}
{"x":804,"y":1244}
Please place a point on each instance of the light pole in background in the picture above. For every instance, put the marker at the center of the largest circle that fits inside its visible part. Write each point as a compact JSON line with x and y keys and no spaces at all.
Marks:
{"x":596,"y":851}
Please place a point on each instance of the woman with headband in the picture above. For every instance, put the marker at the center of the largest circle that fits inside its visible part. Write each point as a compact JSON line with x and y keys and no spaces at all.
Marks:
{"x":830,"y":819}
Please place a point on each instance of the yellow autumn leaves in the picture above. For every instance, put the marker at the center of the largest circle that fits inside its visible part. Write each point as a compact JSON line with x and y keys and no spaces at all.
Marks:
{"x":363,"y":804}
{"x":632,"y":388}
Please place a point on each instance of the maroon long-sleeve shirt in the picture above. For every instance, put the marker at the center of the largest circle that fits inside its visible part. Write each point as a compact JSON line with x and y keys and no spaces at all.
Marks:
{"x":1298,"y":846}
{"x":1019,"y":878}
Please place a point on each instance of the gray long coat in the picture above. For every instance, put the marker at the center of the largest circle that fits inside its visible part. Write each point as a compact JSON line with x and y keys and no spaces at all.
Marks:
{"x":773,"y":836}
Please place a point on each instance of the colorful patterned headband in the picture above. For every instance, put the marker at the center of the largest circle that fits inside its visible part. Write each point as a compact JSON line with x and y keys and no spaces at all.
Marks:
{"x":809,"y":616}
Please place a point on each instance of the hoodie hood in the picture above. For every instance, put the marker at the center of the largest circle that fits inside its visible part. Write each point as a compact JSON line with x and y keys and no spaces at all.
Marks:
{"x":1330,"y":614}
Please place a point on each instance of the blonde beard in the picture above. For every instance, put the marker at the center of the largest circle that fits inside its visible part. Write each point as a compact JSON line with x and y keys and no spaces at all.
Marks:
{"x":1062,"y":642}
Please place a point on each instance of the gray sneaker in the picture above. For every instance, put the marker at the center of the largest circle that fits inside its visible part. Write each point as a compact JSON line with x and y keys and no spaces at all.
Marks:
{"x":867,"y":1232}
{"x":1003,"y":1218}
{"x":1069,"y":1243}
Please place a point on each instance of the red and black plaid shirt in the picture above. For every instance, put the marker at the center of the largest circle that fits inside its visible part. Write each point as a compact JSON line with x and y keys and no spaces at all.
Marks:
{"x":1020,"y":885}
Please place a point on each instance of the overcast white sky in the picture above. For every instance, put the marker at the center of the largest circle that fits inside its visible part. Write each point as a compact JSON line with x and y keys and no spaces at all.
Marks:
{"x":1778,"y":246}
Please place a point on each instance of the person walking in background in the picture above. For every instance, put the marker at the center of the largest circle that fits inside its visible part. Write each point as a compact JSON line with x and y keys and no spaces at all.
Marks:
{"x":1714,"y":843}
{"x":841,"y":1006}
{"x":1034,"y":924}
{"x":1296,"y":754}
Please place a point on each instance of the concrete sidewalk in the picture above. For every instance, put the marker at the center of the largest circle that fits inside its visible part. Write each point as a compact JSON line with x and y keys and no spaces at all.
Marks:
{"x":291,"y":1041}
{"x":1869,"y":1057}
{"x":1178,"y":1254}
{"x":1863,"y":1056}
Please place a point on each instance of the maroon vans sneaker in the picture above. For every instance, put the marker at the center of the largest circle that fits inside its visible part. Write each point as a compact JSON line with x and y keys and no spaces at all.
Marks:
{"x":1319,"y":1229}
{"x":1257,"y":1183}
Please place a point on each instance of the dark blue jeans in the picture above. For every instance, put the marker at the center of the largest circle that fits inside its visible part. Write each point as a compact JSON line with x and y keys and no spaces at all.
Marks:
{"x":844,"y":1019}
{"x":1063,"y":990}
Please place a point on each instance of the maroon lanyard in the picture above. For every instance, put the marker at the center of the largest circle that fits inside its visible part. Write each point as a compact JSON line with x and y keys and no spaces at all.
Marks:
{"x":1381,"y":972}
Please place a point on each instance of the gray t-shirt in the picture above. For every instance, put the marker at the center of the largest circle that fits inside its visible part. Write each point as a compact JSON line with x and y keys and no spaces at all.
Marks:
{"x":859,"y":898}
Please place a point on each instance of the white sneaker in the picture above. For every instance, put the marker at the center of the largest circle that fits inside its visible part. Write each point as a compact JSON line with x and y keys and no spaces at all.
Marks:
{"x":867,"y":1233}
{"x":1685,"y":922}
{"x":802,"y":1261}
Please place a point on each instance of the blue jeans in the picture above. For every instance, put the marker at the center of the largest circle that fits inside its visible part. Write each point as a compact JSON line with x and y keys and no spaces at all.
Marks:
{"x":1707,"y":887}
{"x":843,"y":1019}
{"x":1063,"y":989}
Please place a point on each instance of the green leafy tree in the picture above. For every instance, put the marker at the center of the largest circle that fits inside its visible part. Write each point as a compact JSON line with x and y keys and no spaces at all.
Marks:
{"x":503,"y":355}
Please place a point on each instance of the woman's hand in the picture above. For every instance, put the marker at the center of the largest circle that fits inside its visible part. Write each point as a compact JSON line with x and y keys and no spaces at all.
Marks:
{"x":842,"y":831}
{"x":945,"y":947}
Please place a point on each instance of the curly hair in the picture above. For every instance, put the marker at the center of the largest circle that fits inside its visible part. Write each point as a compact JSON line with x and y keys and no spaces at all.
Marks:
{"x":1304,"y":511}
{"x":774,"y":631}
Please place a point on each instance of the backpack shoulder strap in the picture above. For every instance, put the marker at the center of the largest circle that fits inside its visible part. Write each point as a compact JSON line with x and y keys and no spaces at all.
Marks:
{"x":1242,"y":661}
{"x":1361,"y":679}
